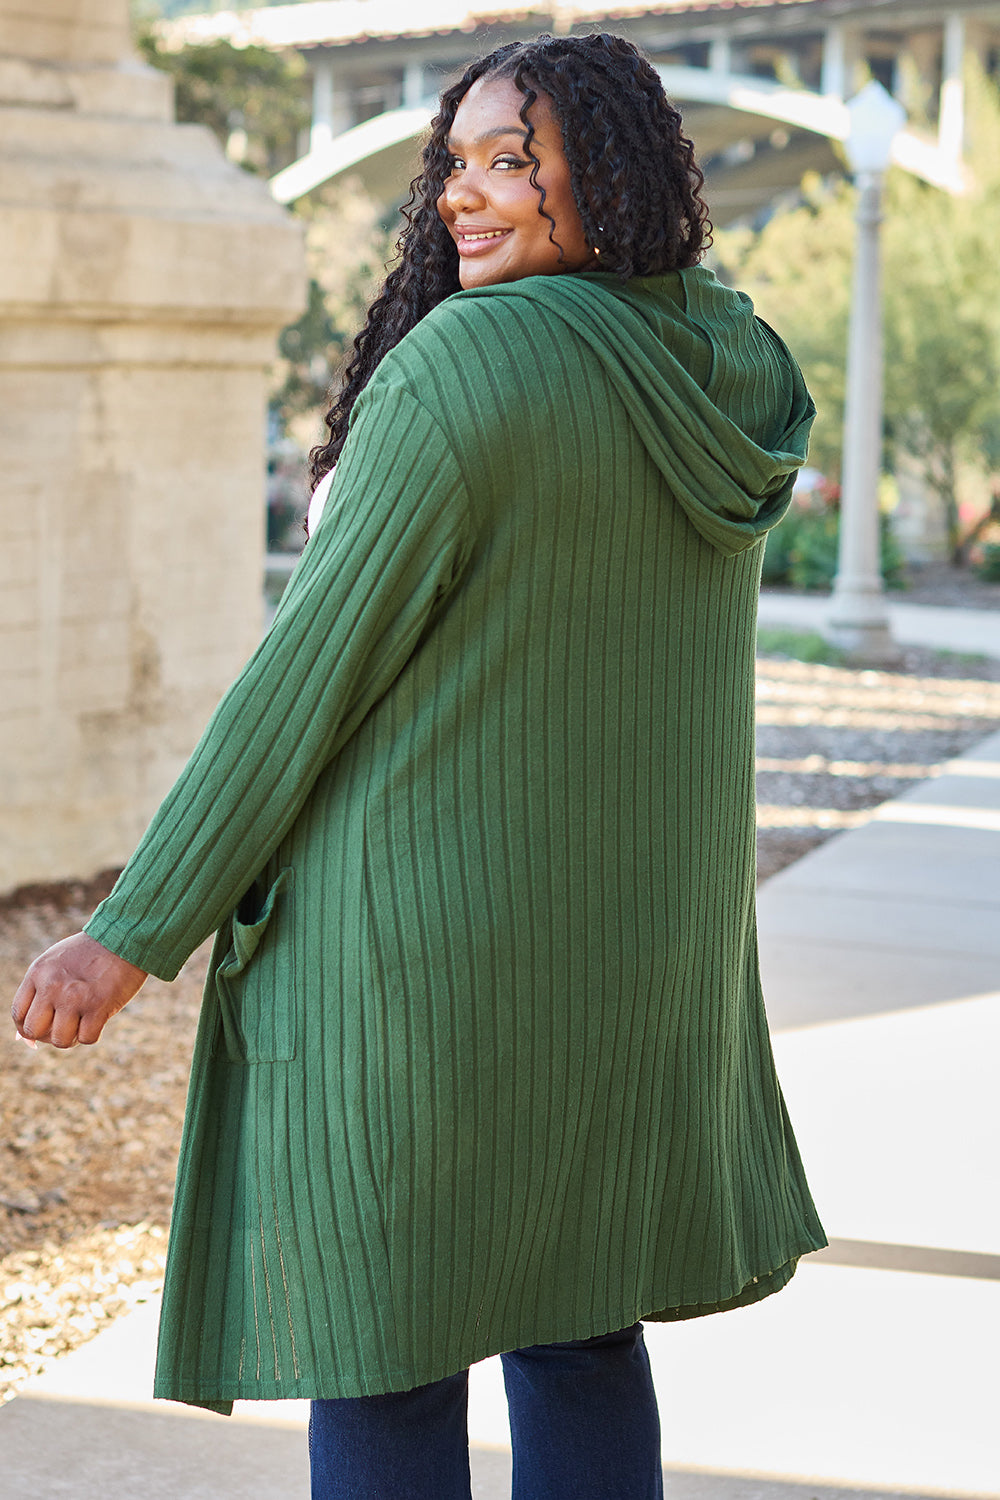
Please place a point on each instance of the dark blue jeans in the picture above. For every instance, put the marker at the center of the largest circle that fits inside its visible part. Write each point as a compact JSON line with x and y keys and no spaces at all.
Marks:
{"x":583,"y":1422}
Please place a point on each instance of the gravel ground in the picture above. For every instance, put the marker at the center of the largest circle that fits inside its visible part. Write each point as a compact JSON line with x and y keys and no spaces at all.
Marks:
{"x":89,"y":1138}
{"x":937,"y":583}
{"x":832,"y":743}
{"x":940,"y":583}
{"x":88,"y":1149}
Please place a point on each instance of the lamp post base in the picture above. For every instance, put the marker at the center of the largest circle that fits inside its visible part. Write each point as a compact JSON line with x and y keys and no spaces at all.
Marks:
{"x":858,"y":624}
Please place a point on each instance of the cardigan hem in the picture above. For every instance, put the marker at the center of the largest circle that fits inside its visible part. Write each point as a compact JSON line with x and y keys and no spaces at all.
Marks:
{"x":754,"y":1291}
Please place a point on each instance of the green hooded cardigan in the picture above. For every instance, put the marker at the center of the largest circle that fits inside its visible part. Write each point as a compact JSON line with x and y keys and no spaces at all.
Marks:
{"x":483,"y":1060}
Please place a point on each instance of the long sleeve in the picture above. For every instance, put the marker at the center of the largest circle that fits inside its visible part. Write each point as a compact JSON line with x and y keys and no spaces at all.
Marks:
{"x":388,"y":549}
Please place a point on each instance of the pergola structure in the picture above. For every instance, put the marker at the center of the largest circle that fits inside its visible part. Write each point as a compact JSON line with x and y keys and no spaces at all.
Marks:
{"x":762,"y":82}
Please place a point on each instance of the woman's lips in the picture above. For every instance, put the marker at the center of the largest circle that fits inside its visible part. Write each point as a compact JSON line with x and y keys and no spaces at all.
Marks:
{"x":479,"y":241}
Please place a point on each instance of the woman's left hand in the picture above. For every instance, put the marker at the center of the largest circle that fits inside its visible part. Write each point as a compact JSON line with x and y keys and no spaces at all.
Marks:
{"x":71,"y":991}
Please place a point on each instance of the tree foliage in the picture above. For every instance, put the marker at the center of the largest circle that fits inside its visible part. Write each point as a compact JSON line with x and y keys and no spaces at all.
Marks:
{"x":256,"y":103}
{"x":349,"y":238}
{"x":254,"y":100}
{"x":941,"y":307}
{"x":797,"y":270}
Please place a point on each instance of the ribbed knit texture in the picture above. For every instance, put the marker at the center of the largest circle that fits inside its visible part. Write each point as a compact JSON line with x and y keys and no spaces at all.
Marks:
{"x":483,"y":1060}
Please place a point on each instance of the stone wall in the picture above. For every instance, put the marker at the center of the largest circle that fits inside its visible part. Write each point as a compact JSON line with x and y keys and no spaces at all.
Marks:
{"x":143,"y":279}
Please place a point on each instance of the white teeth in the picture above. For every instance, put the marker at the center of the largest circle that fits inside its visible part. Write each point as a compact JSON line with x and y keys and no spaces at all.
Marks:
{"x":492,"y":234}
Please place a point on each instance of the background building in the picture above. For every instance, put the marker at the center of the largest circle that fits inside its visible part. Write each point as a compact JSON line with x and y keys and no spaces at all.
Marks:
{"x":761,"y":82}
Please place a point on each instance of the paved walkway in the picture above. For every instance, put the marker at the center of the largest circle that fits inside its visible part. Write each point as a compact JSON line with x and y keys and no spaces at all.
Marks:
{"x":976,"y":631}
{"x":874,"y":1375}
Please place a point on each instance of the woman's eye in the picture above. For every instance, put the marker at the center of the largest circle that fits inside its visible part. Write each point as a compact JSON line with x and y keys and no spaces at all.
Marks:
{"x":508,"y":163}
{"x":455,"y":164}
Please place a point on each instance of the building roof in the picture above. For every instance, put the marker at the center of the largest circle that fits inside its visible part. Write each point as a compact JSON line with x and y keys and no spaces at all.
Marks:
{"x":330,"y":22}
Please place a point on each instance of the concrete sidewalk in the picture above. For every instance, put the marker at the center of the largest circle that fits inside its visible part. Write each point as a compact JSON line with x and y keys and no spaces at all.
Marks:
{"x":964,"y":631}
{"x":874,"y":1374}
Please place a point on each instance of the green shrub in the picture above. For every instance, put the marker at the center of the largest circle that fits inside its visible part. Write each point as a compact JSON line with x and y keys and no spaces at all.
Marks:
{"x":813,"y":554}
{"x":988,"y":567}
{"x":776,"y":551}
{"x":800,"y":645}
{"x":802,"y":550}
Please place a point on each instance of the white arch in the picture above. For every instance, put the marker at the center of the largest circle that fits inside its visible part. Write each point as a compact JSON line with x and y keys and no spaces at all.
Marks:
{"x":393,"y":128}
{"x":823,"y":114}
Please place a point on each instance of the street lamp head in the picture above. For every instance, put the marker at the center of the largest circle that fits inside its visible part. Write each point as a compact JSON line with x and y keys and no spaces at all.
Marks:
{"x":875,"y":118}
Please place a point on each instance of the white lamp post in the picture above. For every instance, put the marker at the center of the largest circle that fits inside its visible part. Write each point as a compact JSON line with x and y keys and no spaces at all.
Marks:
{"x":858,"y":620}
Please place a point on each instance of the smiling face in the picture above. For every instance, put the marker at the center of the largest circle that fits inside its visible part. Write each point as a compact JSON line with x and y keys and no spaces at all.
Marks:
{"x":489,"y":202}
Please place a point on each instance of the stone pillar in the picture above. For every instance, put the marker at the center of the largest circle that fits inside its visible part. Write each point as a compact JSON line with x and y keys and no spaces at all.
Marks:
{"x":918,"y":521}
{"x":143,"y":279}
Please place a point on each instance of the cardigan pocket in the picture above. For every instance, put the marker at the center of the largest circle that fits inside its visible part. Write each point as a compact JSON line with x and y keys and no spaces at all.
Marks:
{"x":255,"y":980}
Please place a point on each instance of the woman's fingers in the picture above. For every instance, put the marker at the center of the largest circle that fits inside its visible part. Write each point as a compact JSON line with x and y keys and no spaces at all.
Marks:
{"x":71,"y":992}
{"x":23,"y":998}
{"x":64,"y":1028}
{"x":33,"y":1013}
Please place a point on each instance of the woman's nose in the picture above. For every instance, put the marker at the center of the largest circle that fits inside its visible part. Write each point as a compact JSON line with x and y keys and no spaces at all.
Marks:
{"x":464,"y":190}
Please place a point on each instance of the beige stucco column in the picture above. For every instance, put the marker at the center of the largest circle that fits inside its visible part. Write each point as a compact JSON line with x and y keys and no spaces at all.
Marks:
{"x":143,"y":279}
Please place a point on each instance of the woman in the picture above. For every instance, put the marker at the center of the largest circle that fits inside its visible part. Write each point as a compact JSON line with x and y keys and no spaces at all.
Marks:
{"x":483,"y":1064}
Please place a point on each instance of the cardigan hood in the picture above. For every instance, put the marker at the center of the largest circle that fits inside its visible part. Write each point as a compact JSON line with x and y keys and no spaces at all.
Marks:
{"x":718,"y":400}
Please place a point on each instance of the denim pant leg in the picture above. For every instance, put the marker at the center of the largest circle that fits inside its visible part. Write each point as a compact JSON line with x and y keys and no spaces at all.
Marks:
{"x":583,"y":1420}
{"x":408,"y":1445}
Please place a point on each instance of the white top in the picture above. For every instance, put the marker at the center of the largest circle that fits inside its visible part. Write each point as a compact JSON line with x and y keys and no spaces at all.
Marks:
{"x":318,"y":502}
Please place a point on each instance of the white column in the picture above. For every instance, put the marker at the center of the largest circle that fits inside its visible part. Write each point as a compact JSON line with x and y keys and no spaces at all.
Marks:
{"x":834,"y":76}
{"x":321,"y":130}
{"x":859,"y":621}
{"x":951,"y":115}
{"x":413,"y":84}
{"x":720,"y":55}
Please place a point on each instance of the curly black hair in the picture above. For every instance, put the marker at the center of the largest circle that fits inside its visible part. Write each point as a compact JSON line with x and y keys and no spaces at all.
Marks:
{"x":633,"y":174}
